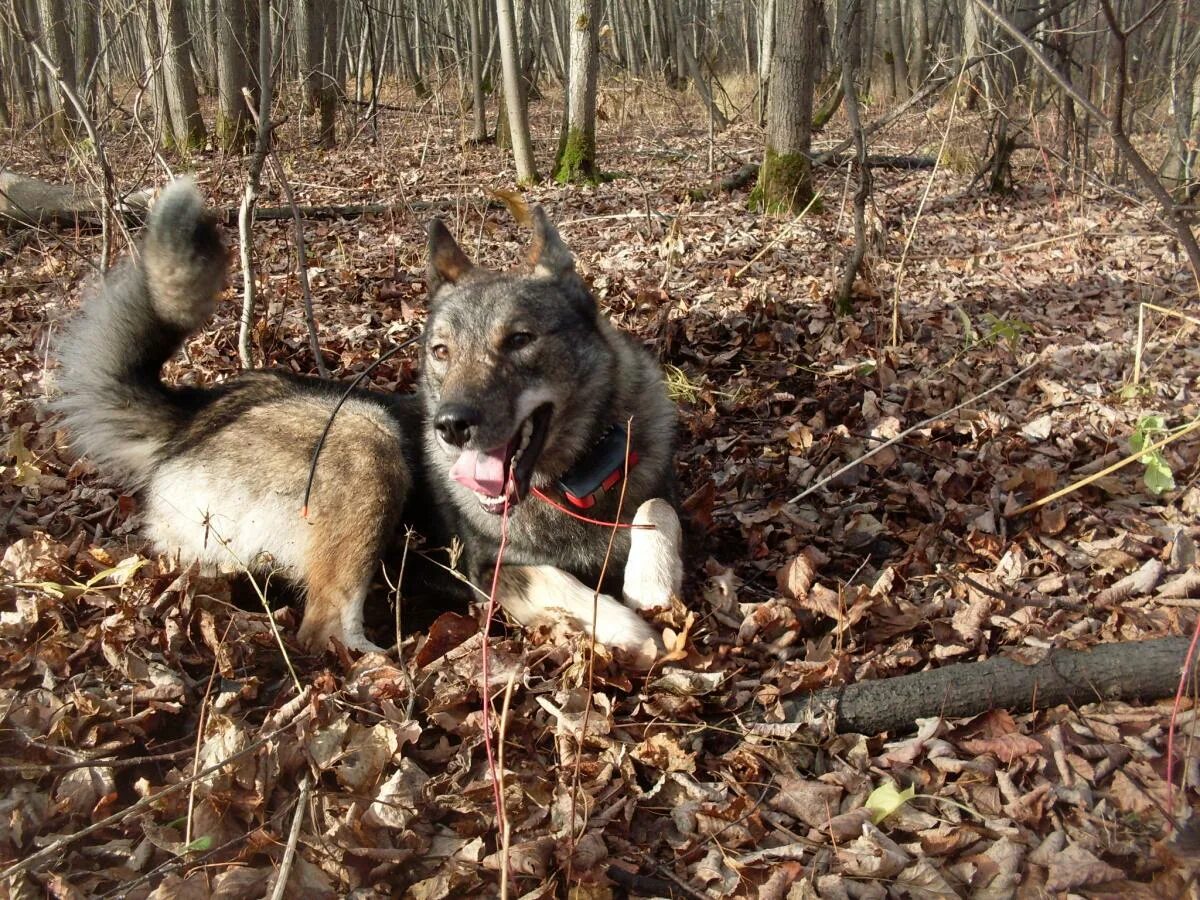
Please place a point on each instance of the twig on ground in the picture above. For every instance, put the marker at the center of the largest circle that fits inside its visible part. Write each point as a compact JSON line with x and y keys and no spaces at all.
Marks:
{"x":289,"y":851}
{"x":816,"y":486}
{"x":506,"y":826}
{"x":1108,"y":470}
{"x":55,"y":848}
{"x":212,"y":676}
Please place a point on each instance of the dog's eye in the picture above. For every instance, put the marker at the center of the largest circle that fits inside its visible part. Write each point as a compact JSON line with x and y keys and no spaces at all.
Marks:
{"x":517,"y":340}
{"x":440,"y":352}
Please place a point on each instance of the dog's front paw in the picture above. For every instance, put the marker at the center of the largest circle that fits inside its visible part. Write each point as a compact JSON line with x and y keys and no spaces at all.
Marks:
{"x":654,"y":572}
{"x":620,"y":628}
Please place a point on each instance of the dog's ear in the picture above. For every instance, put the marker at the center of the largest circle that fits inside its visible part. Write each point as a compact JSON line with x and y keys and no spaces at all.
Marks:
{"x":549,"y":255}
{"x":447,"y":262}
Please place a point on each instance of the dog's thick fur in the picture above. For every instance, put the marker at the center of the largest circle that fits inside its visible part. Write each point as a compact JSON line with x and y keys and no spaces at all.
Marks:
{"x":222,"y":470}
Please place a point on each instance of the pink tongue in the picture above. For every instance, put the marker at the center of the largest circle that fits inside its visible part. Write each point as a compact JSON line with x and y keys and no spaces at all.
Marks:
{"x":483,"y":472}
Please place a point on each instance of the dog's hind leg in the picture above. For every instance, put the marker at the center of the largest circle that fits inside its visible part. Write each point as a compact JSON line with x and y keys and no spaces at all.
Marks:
{"x":654,"y":570}
{"x":343,"y":555}
{"x":545,"y":595}
{"x":359,"y":488}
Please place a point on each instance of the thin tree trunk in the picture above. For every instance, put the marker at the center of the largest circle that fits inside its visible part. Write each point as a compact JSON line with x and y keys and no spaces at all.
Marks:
{"x":898,"y":54}
{"x":182,"y":101}
{"x":514,"y":93}
{"x":262,"y":145}
{"x":849,"y":33}
{"x":237,"y":46}
{"x":785,"y":178}
{"x":920,"y":41}
{"x":152,"y":66}
{"x":577,"y":162}
{"x":479,"y":132}
{"x":408,"y":60}
{"x":56,"y":38}
{"x":87,"y":46}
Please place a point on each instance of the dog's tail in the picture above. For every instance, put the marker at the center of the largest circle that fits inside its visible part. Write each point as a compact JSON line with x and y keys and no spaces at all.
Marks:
{"x":114,"y":403}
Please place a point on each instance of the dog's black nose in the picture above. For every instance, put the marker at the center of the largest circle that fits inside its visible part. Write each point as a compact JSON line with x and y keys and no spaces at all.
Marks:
{"x":456,"y":422}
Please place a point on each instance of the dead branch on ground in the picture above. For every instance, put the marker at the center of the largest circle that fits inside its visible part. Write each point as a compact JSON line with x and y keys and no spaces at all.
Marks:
{"x":1133,"y":671}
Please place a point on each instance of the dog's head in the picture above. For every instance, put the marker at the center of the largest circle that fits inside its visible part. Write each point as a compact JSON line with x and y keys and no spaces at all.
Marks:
{"x":516,"y":367}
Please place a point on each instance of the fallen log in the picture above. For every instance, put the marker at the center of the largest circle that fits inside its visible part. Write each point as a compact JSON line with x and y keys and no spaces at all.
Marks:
{"x":31,"y":202}
{"x":1133,"y":671}
{"x":345,"y":211}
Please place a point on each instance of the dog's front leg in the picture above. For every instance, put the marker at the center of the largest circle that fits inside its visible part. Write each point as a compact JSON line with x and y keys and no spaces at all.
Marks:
{"x":654,"y":570}
{"x":544,"y":595}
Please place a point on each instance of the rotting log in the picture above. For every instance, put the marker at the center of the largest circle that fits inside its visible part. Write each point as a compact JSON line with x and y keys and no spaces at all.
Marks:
{"x":31,"y":202}
{"x":1132,"y":671}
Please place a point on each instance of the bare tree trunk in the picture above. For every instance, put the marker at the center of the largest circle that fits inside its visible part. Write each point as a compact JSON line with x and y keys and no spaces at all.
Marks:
{"x":262,"y":146}
{"x":920,"y":43}
{"x":152,"y":68}
{"x":785,"y":178}
{"x":895,"y":14}
{"x":316,"y":54}
{"x":237,"y":48}
{"x":514,"y":94}
{"x":523,"y":11}
{"x":87,"y":46}
{"x":479,"y":132}
{"x":408,"y":60}
{"x":849,"y":34}
{"x":766,"y":54}
{"x":182,"y":101}
{"x":577,"y":162}
{"x":1178,"y":169}
{"x":699,"y":79}
{"x":56,"y":38}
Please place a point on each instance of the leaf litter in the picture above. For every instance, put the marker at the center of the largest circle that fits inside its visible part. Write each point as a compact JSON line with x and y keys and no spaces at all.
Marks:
{"x":125,"y":675}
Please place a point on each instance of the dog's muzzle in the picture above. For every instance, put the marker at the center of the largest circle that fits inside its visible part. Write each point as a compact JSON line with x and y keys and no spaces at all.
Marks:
{"x":502,"y":475}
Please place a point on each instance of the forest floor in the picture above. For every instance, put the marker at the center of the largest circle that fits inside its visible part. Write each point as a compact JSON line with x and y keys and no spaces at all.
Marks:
{"x":122,"y":675}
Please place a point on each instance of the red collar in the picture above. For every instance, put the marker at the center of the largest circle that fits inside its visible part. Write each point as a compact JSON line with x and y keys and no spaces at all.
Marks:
{"x":600,"y":470}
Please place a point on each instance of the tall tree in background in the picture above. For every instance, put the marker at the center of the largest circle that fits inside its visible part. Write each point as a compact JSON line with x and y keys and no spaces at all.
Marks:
{"x":577,"y":158}
{"x":152,"y":72}
{"x":408,"y":59}
{"x":785,"y":178}
{"x":479,"y":132}
{"x":183,"y":105}
{"x":1180,"y":164}
{"x":55,"y":33}
{"x":237,"y":55}
{"x":316,"y":55}
{"x":514,"y":93}
{"x":766,"y":53}
{"x":87,"y":45}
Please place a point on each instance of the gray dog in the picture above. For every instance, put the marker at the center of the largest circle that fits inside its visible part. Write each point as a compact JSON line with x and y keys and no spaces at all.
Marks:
{"x":526,"y":388}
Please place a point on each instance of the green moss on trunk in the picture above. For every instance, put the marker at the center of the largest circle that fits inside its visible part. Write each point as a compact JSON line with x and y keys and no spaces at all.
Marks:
{"x":784,"y":183}
{"x":577,"y":162}
{"x":233,"y":134}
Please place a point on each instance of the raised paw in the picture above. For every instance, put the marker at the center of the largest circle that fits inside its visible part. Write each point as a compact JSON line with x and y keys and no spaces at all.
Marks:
{"x":654,"y":572}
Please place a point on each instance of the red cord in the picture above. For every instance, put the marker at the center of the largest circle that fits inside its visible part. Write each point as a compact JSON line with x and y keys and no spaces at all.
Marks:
{"x":1183,"y":679}
{"x":574,"y":515}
